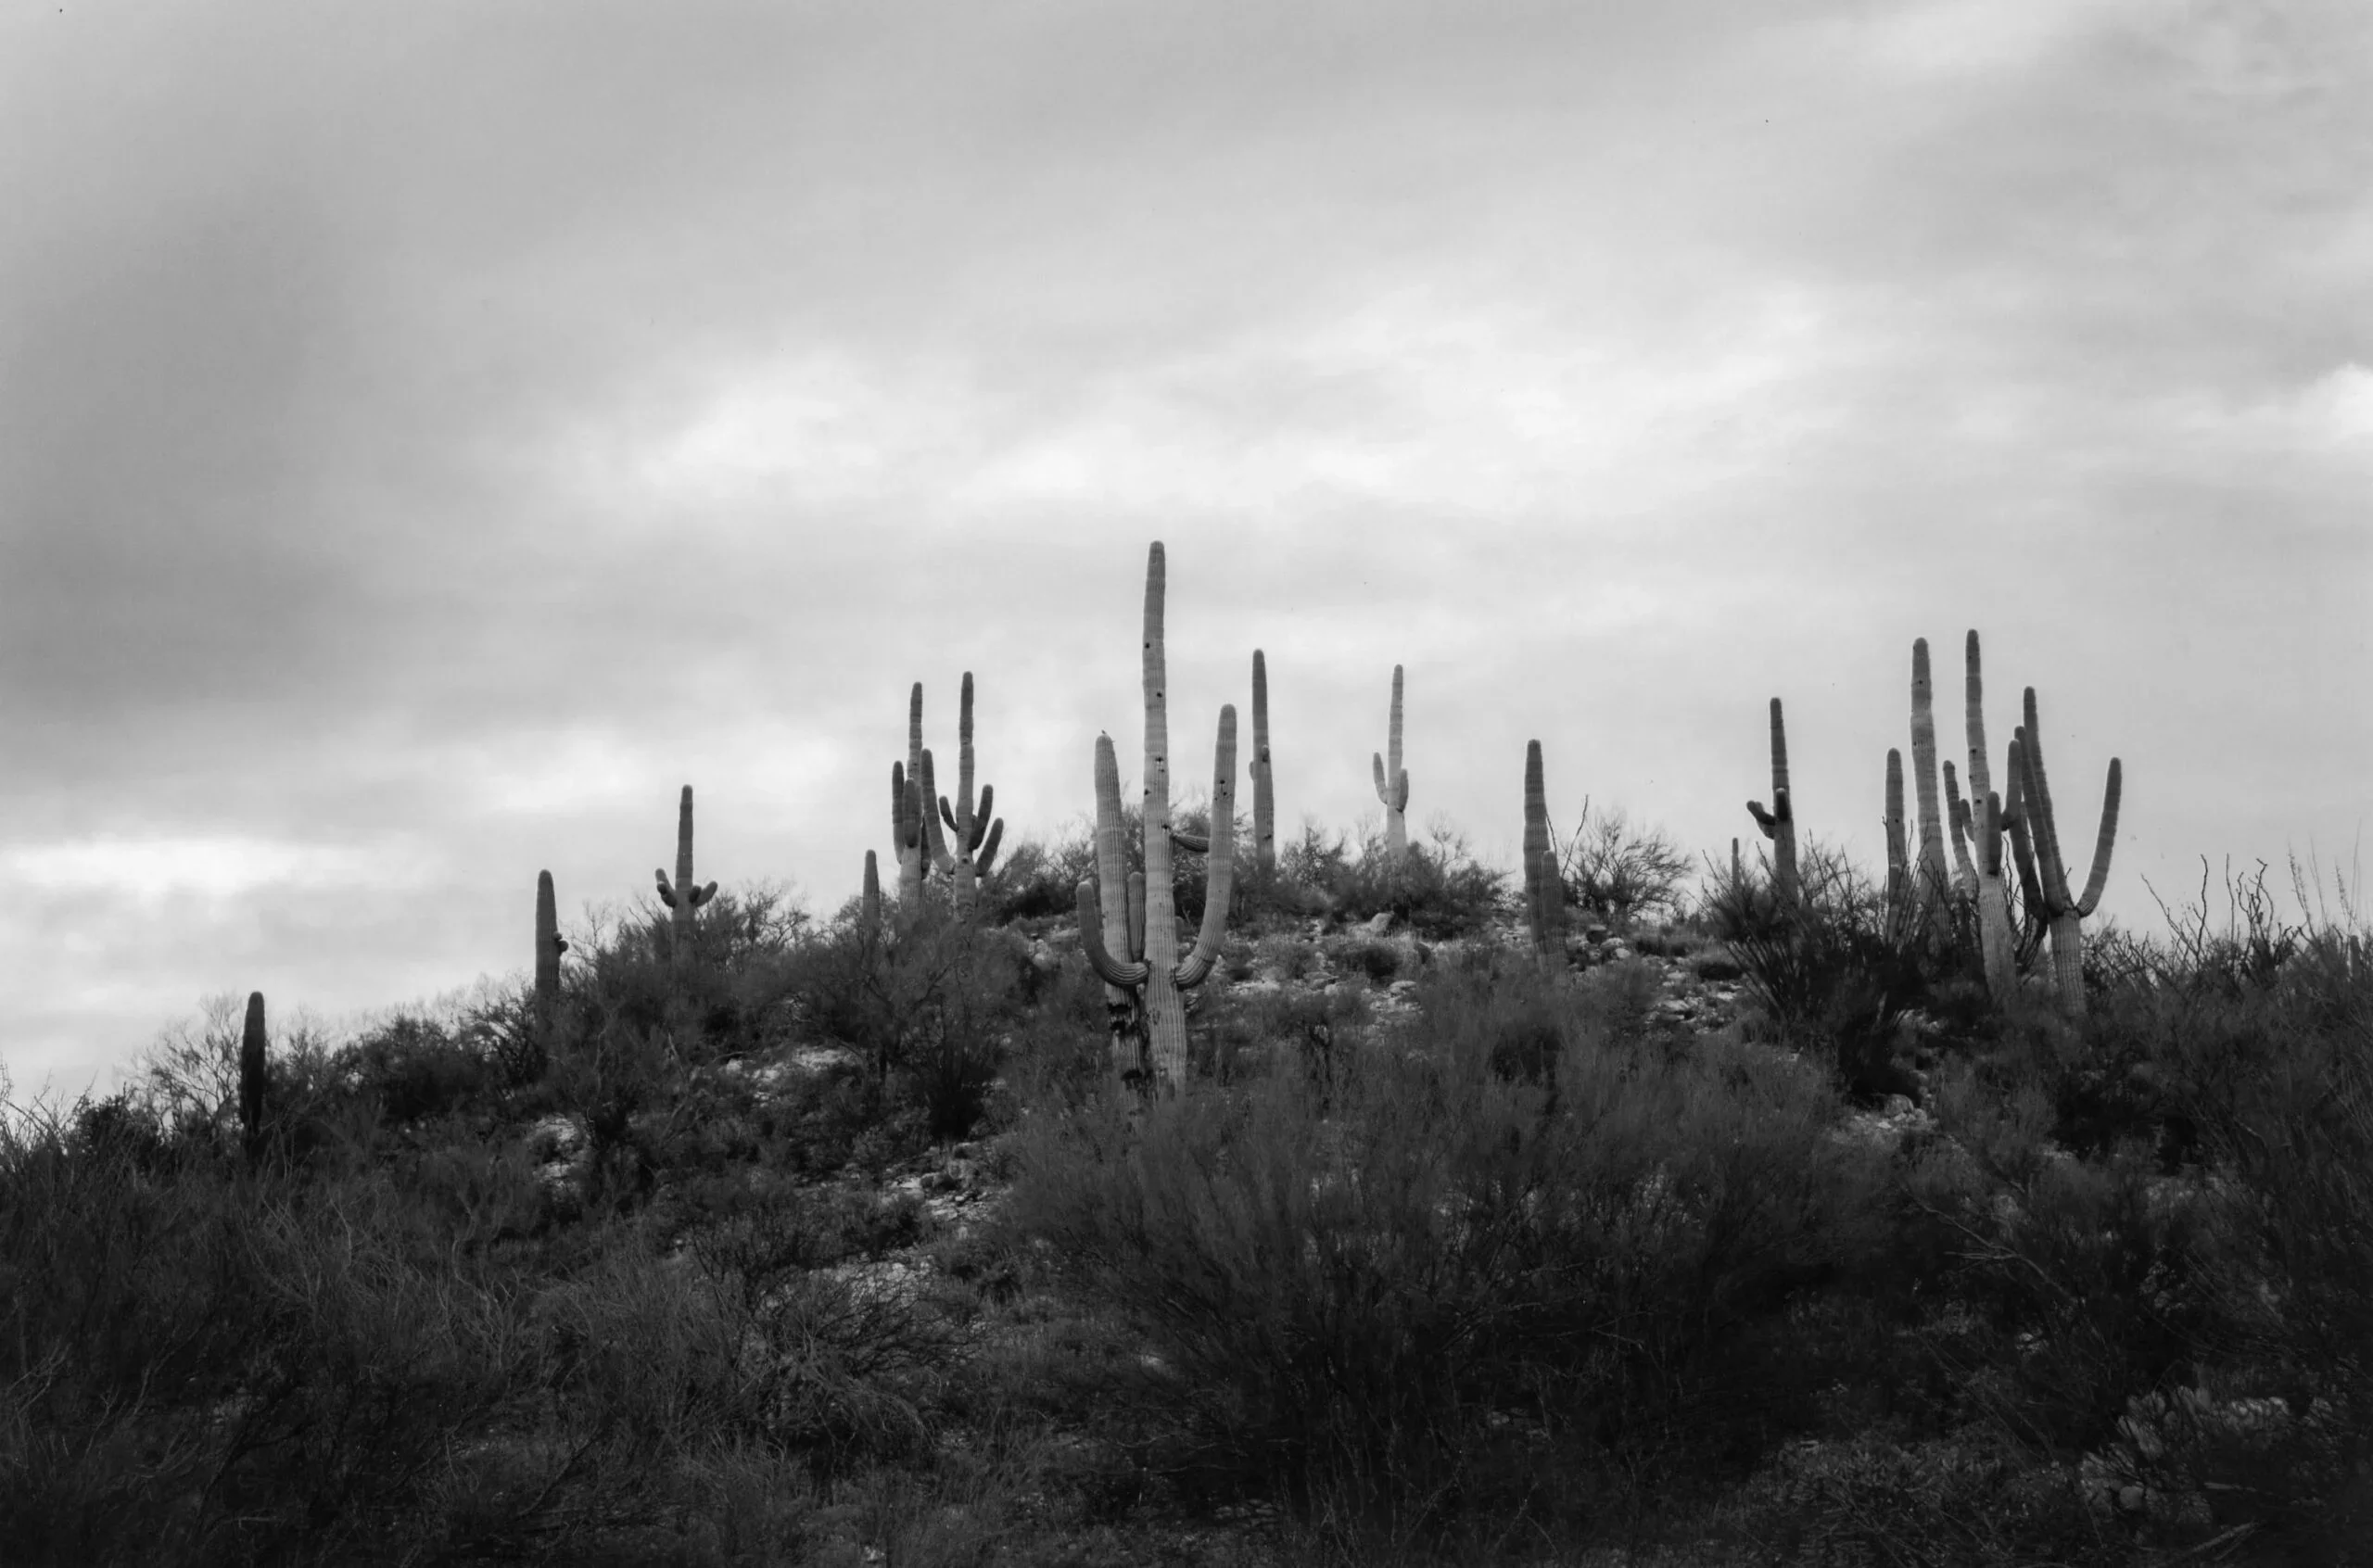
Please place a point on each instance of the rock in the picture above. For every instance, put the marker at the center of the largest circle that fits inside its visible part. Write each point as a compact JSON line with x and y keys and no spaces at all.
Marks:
{"x":1378,"y":925}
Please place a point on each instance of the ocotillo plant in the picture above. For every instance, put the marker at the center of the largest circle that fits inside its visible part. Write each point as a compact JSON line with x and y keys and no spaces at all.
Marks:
{"x":1928,"y":874}
{"x":549,"y":945}
{"x":1779,"y":824}
{"x":1544,"y":887}
{"x":2064,"y":913}
{"x":1265,"y":801}
{"x":977,"y":837}
{"x":1156,"y":974}
{"x":251,"y":1106}
{"x":1392,"y":782}
{"x":684,"y":895}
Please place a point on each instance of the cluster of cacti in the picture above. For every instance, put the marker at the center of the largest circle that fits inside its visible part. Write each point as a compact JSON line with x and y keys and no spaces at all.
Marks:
{"x":1264,"y":803}
{"x":2060,"y":913}
{"x":977,"y":837}
{"x":1779,"y":824}
{"x":1128,"y":926}
{"x":1392,"y":782}
{"x":683,"y":895}
{"x":1545,"y":885}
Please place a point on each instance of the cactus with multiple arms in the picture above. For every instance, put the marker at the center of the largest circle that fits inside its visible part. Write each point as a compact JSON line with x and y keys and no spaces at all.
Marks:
{"x":2061,"y":913}
{"x":1149,"y":968}
{"x":1265,"y":802}
{"x":1392,"y":782}
{"x":683,"y":895}
{"x":549,"y":945}
{"x":251,"y":1103}
{"x":1544,"y":888}
{"x":1779,"y":824}
{"x":977,"y":837}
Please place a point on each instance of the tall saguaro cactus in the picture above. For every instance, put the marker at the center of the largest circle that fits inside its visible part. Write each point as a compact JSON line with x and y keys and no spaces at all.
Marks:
{"x":549,"y":945}
{"x":1901,"y":909}
{"x":1779,"y":824}
{"x":1264,"y":800}
{"x":977,"y":837}
{"x":1149,"y":968}
{"x":683,"y":895}
{"x":251,"y":1106}
{"x":1544,"y":888}
{"x":869,"y":908}
{"x":2064,"y":913}
{"x":1392,"y":782}
{"x":1929,"y":879}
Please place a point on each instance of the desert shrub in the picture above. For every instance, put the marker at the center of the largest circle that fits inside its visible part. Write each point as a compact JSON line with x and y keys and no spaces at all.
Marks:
{"x":1617,"y":871}
{"x":1435,"y":887}
{"x":1357,"y":1286}
{"x":732,"y":997}
{"x":415,"y":1069}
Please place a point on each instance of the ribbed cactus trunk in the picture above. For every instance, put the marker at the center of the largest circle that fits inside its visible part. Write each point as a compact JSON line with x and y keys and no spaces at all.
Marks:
{"x":1155,"y":972}
{"x":1392,"y":782}
{"x":1544,"y":888}
{"x":1779,"y":824}
{"x":1900,"y":914}
{"x":1929,"y":875}
{"x":2065,"y":915}
{"x":1990,"y":820}
{"x":251,"y":1080}
{"x":908,"y":805}
{"x":549,"y":947}
{"x":869,"y":908}
{"x":1265,"y":802}
{"x":976,"y":840}
{"x":683,"y":895}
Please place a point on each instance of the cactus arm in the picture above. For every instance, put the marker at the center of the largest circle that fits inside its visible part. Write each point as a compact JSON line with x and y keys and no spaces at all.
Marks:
{"x":1193,"y":843}
{"x":1135,"y":907}
{"x":1111,"y":851}
{"x":2091,"y":898}
{"x":935,"y":842}
{"x":708,"y":890}
{"x":1221,"y":872}
{"x":1960,"y":826}
{"x":1112,"y":972}
{"x":989,"y":846}
{"x":981,"y":819}
{"x":666,"y":893}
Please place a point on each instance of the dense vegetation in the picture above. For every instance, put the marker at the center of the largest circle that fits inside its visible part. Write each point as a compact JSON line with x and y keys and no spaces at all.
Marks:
{"x":836,"y":1242}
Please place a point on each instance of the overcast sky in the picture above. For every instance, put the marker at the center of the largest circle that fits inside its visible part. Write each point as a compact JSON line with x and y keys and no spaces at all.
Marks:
{"x":432,"y":434}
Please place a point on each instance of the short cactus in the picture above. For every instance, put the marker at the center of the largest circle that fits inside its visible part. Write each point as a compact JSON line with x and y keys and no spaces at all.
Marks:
{"x":870,"y":901}
{"x":683,"y":895}
{"x":2063,"y":913}
{"x":252,"y":1080}
{"x":1544,"y":886}
{"x":1392,"y":782}
{"x":1779,"y":824}
{"x":1901,"y":911}
{"x":1265,"y":801}
{"x":977,"y":837}
{"x":1147,"y":966}
{"x":549,"y":945}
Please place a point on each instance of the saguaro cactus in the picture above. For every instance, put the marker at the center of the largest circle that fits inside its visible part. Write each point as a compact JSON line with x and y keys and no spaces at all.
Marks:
{"x":870,"y":902}
{"x":2064,"y":912}
{"x":251,"y":1105}
{"x":1901,"y":909}
{"x":549,"y":945}
{"x":977,"y":837}
{"x":1151,"y":968}
{"x":683,"y":895}
{"x":908,"y":805}
{"x":1265,"y":801}
{"x":1929,"y":874}
{"x":1544,"y":887}
{"x":1779,"y":824}
{"x":1392,"y":782}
